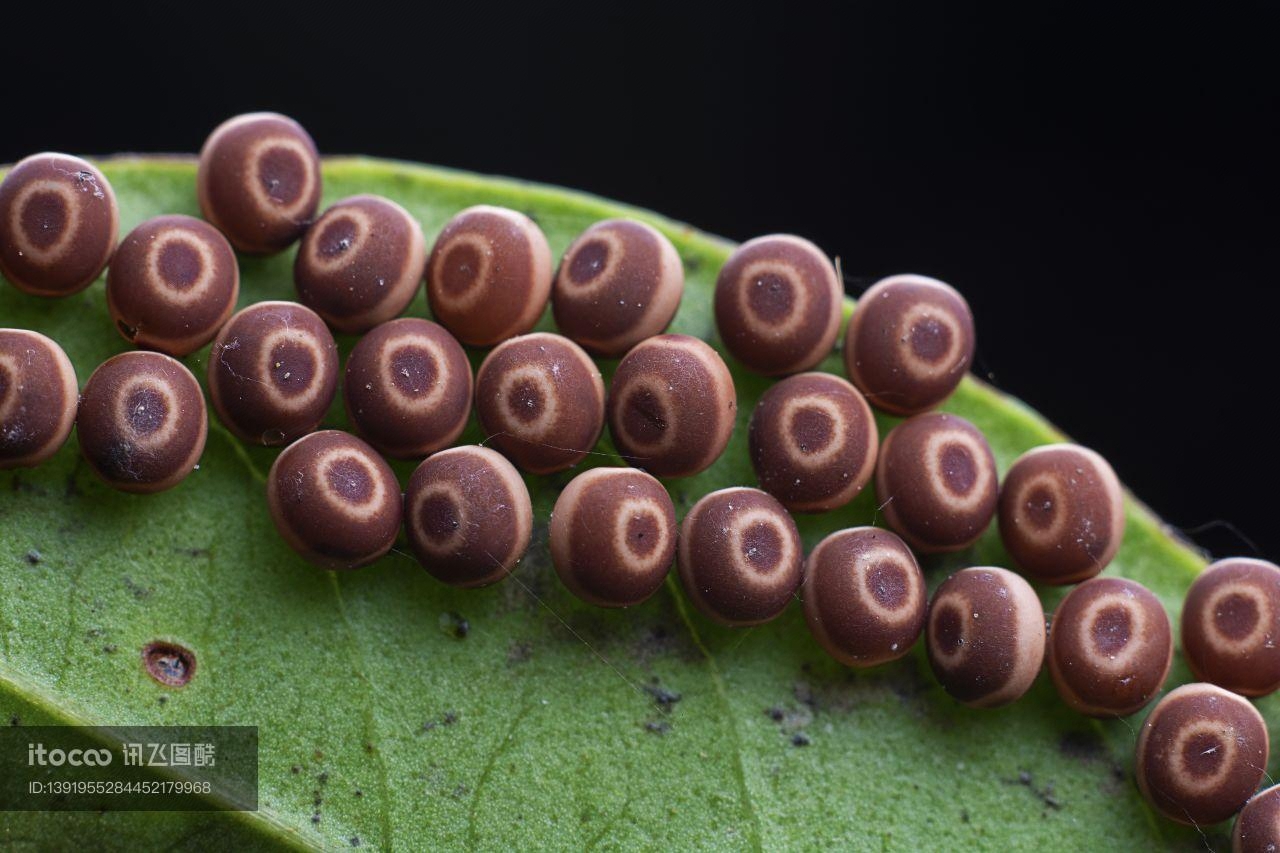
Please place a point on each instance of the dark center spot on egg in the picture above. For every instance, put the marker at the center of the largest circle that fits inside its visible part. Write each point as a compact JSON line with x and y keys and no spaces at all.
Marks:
{"x":350,"y":479}
{"x":812,"y":429}
{"x":338,"y":236}
{"x":283,"y":174}
{"x":644,"y":417}
{"x":959,"y":468}
{"x":43,"y":218}
{"x":642,"y":534}
{"x":1203,"y":753}
{"x":413,"y":370}
{"x":460,"y":268}
{"x":169,"y":663}
{"x":1040,"y":508}
{"x":1111,"y":629}
{"x":293,"y":366}
{"x":762,"y":546}
{"x":146,"y":410}
{"x":439,"y":518}
{"x":589,"y":261}
{"x":886,"y":581}
{"x":179,"y":264}
{"x":526,"y":402}
{"x":948,"y":628}
{"x":771,"y":298}
{"x":1236,"y":616}
{"x":930,"y":339}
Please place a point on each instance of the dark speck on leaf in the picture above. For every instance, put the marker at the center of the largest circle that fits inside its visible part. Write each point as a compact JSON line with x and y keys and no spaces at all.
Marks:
{"x":163,"y":700}
{"x":663,"y":697}
{"x":775,"y":713}
{"x":295,"y":770}
{"x":15,"y":720}
{"x":355,"y":841}
{"x":800,"y":739}
{"x":1083,"y":746}
{"x":657,"y":727}
{"x":315,"y":818}
{"x":34,"y":557}
{"x":323,"y":777}
{"x":455,"y":625}
{"x":450,"y":717}
{"x":1047,"y":795}
{"x":359,"y":793}
{"x":964,"y":816}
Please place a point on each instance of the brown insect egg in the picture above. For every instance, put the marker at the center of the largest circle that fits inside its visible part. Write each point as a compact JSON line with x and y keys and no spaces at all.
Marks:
{"x":1257,"y":828}
{"x":468,"y":516}
{"x":259,"y":181}
{"x":740,"y":556}
{"x":1061,"y":513}
{"x":540,"y":400}
{"x":985,"y":636}
{"x":172,"y":284}
{"x":1110,"y":647}
{"x":864,"y":596}
{"x":361,"y":263}
{"x":142,"y":422}
{"x":619,"y":282}
{"x":672,"y":406}
{"x":1231,"y":626}
{"x":813,"y":442}
{"x":613,"y":536}
{"x":778,"y":304}
{"x":489,"y":275}
{"x":408,"y":388}
{"x":334,"y":500}
{"x":909,"y":343}
{"x":58,"y":224}
{"x":1201,"y":754}
{"x":273,"y":371}
{"x":936,"y":482}
{"x":38,"y":398}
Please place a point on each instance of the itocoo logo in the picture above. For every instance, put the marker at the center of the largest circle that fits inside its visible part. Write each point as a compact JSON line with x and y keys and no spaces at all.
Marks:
{"x":38,"y":755}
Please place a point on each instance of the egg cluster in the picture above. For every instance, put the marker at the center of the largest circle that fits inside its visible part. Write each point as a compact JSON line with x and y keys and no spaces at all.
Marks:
{"x":670,"y":409}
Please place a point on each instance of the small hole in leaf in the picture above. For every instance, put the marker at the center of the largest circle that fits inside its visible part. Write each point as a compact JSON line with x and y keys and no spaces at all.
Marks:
{"x":168,"y":663}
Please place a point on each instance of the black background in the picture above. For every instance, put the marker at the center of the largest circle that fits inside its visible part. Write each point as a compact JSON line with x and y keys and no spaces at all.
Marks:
{"x":1100,"y":185}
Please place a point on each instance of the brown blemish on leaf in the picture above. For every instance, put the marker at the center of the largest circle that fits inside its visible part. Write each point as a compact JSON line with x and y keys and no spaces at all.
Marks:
{"x":169,"y":663}
{"x":519,"y":651}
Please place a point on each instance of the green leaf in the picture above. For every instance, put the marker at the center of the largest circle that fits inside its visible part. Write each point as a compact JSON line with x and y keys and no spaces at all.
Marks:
{"x":550,"y":722}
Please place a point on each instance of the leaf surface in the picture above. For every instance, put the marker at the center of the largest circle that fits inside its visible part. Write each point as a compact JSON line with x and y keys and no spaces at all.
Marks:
{"x":549,"y":722}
